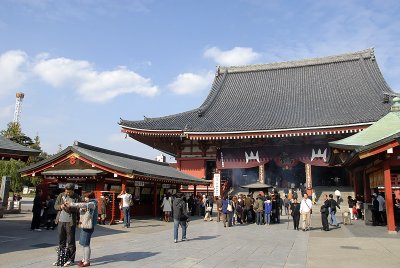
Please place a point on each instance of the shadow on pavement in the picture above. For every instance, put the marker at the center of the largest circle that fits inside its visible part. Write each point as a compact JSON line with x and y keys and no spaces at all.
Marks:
{"x":15,"y":235}
{"x":126,"y":256}
{"x":204,"y":237}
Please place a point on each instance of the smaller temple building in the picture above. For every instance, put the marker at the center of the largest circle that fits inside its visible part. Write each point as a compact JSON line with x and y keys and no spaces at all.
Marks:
{"x":12,"y":150}
{"x":108,"y":172}
{"x":373,"y":159}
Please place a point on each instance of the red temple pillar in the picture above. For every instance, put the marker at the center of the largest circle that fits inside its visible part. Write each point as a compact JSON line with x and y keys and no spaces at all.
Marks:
{"x":389,"y":199}
{"x":155,"y":199}
{"x":355,"y":184}
{"x":367,"y":189}
{"x":100,"y":184}
{"x":123,"y":188}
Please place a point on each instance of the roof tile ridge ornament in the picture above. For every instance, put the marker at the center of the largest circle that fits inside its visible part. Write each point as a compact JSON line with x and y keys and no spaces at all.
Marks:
{"x":363,"y":54}
{"x":396,"y":105}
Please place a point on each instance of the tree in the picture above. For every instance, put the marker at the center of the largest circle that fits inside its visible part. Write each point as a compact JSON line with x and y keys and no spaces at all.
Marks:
{"x":10,"y":168}
{"x":42,"y":156}
{"x":14,"y":133}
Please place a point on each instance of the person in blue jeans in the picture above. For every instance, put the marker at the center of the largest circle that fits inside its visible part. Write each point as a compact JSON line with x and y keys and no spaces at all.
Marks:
{"x":126,"y":203}
{"x":267,"y":210}
{"x":332,"y":211}
{"x":226,"y":214}
{"x":180,"y":215}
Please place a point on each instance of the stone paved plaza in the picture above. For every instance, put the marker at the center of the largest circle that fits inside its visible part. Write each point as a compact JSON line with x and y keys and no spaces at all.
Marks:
{"x":149,"y":243}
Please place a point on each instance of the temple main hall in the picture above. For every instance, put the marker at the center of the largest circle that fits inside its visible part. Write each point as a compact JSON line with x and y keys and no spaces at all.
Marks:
{"x":272,"y":122}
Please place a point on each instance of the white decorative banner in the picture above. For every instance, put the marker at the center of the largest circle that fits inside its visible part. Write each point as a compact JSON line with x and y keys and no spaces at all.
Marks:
{"x":217,"y":184}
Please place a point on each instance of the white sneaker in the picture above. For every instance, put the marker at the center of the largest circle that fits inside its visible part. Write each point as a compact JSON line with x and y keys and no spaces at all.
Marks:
{"x":68,"y":263}
{"x":38,"y":230}
{"x":175,"y":241}
{"x":184,"y":239}
{"x":54,"y":263}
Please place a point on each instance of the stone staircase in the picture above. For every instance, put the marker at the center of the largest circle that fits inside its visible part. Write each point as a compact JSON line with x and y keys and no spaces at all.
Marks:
{"x":321,"y":191}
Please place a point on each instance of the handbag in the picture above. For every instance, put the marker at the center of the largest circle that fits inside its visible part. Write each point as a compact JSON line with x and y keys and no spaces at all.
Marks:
{"x":229,"y":208}
{"x":208,"y":209}
{"x":86,"y":218}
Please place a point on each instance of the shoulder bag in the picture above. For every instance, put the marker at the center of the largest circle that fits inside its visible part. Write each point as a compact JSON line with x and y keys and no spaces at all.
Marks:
{"x":86,"y":218}
{"x":229,"y":208}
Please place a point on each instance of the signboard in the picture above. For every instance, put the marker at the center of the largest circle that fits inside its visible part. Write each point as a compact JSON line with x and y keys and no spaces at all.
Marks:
{"x":308,"y":177}
{"x":166,"y":186}
{"x":62,"y":186}
{"x":139,"y":183}
{"x":261,"y":174}
{"x":217,"y":184}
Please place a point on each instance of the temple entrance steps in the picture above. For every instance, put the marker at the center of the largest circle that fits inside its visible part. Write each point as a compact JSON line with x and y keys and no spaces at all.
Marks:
{"x":345,"y":191}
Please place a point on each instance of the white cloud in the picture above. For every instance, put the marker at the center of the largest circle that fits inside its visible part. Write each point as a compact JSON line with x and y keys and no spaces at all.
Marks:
{"x":11,"y":74}
{"x":235,"y":56}
{"x":92,"y":85}
{"x":188,"y":83}
{"x":6,"y":113}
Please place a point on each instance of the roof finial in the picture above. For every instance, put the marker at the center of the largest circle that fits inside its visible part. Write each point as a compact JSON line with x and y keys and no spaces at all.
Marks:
{"x":396,"y":105}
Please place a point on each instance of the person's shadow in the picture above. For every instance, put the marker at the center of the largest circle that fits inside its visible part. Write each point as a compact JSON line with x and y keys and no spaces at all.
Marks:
{"x":126,"y":256}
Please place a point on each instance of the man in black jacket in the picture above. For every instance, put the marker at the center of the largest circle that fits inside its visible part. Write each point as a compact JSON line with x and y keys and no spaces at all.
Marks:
{"x":332,"y":210}
{"x":180,"y":216}
{"x":324,"y":213}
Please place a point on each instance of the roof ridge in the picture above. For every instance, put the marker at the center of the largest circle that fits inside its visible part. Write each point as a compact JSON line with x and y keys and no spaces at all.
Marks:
{"x":365,"y":54}
{"x":103,"y":150}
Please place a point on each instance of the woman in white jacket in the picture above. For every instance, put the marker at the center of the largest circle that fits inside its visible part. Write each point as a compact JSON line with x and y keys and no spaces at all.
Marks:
{"x":167,"y":208}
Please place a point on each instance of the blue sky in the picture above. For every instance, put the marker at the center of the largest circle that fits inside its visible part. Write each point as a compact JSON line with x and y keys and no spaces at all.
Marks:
{"x":84,"y":64}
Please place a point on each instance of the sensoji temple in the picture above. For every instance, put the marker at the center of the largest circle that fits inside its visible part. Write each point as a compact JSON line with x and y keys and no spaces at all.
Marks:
{"x":108,"y":172}
{"x":272,"y":123}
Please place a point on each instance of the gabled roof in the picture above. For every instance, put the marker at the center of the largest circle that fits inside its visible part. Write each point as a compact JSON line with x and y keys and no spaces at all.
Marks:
{"x":385,"y":130}
{"x":120,"y":162}
{"x":334,"y":91}
{"x":11,"y":149}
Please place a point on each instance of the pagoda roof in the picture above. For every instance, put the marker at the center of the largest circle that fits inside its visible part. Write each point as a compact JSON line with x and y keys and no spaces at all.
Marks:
{"x":112,"y":161}
{"x":382,"y":132}
{"x":10,"y":149}
{"x":307,"y":94}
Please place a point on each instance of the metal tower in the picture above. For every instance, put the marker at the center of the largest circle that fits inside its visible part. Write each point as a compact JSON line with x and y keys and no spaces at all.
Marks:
{"x":18,"y":102}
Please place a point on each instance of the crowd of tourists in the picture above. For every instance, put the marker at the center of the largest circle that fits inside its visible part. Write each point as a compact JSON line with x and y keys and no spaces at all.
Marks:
{"x":68,"y":210}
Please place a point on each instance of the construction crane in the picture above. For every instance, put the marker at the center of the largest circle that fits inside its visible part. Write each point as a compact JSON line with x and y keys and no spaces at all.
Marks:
{"x":17,"y":113}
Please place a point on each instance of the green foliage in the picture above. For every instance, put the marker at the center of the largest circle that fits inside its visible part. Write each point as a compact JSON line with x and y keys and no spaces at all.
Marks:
{"x":41,"y":156}
{"x":10,"y":168}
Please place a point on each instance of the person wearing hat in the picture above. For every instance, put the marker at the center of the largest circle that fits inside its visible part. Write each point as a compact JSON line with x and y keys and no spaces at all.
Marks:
{"x":66,"y":220}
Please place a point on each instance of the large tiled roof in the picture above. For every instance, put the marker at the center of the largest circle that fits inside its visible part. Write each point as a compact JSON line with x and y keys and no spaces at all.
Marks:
{"x":121,"y":162}
{"x":8,"y":147}
{"x":332,"y":91}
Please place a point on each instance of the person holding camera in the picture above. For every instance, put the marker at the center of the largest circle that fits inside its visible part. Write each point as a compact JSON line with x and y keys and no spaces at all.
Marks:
{"x":180,"y":215}
{"x":66,"y":220}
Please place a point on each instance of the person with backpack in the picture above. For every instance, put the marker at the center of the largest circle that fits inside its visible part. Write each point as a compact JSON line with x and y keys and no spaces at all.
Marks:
{"x":180,"y":216}
{"x":332,"y":211}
